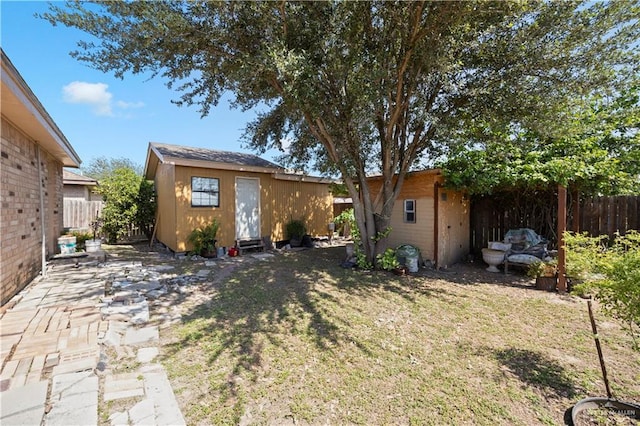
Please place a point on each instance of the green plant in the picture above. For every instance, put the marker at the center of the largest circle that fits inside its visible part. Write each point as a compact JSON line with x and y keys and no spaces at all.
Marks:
{"x":543,"y":269}
{"x":204,"y":238}
{"x":295,"y":228}
{"x":81,"y":237}
{"x":124,"y":206}
{"x":387,"y":260}
{"x":611,"y":274}
{"x":361,"y":259}
{"x":348,"y":217}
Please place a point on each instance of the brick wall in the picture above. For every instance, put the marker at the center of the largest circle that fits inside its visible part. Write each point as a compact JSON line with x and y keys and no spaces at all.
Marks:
{"x":20,"y":221}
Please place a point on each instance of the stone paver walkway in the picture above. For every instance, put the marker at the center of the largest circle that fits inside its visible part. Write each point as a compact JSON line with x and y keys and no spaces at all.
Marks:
{"x":54,"y":345}
{"x":66,"y":339}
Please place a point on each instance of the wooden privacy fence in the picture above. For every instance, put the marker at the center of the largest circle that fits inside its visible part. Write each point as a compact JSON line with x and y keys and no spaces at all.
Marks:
{"x":493,"y":216}
{"x":608,"y":215}
{"x":79,"y":213}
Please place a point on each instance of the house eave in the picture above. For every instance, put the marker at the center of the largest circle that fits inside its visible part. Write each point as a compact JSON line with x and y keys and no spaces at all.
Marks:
{"x":22,"y":108}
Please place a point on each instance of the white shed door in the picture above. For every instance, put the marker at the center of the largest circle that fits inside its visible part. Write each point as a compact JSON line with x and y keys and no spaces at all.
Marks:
{"x":247,"y":208}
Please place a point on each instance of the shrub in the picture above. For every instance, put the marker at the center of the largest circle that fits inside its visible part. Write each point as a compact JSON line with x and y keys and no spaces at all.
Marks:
{"x":204,"y":239}
{"x":295,"y":229}
{"x":388,"y":260}
{"x":612,"y":274}
{"x":128,"y":201}
{"x":81,"y":237}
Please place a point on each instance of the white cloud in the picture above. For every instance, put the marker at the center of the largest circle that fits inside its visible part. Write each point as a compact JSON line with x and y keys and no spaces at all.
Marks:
{"x":97,"y":96}
{"x":94,"y":94}
{"x":129,"y":105}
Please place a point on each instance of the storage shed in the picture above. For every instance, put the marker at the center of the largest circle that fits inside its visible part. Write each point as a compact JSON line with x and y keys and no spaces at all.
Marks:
{"x":429,"y":216}
{"x":250,"y":196}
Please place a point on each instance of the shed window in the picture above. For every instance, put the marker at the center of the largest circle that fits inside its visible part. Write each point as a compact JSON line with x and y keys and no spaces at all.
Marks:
{"x":410,"y":211}
{"x":205,"y":192}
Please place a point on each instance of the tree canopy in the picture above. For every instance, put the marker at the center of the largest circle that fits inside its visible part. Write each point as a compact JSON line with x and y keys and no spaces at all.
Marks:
{"x":368,"y":87}
{"x":597,"y":154}
{"x":101,"y":168}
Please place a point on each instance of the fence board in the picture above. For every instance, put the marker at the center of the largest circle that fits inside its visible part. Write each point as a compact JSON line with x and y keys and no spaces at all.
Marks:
{"x":78,"y":213}
{"x":492,"y":217}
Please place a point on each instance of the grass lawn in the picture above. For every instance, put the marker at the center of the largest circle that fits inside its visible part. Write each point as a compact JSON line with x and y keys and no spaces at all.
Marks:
{"x":298,"y":339}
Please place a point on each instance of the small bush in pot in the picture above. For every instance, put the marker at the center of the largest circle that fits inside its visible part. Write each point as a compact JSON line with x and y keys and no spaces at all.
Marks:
{"x":295,"y":230}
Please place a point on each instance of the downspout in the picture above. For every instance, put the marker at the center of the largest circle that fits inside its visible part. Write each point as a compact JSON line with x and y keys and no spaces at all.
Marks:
{"x":436,"y":198}
{"x":42,"y":221}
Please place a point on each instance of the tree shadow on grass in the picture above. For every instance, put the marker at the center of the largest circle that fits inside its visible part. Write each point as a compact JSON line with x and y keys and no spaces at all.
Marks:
{"x":291,"y":300}
{"x":537,"y":370}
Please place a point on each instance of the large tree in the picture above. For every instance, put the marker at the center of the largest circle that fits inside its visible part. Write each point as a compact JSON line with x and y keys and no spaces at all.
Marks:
{"x":367,"y":87}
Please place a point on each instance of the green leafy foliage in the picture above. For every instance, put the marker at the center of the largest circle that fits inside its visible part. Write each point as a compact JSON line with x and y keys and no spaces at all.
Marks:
{"x":598,"y":151}
{"x":388,"y":260}
{"x":81,"y":238}
{"x":124,"y":204}
{"x":203,"y":239}
{"x":102,"y":167}
{"x":611,"y":273}
{"x":295,"y":228}
{"x":362,"y":87}
{"x":348,"y":217}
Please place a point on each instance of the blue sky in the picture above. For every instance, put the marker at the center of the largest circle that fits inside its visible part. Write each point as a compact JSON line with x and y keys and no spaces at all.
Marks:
{"x":99,"y":114}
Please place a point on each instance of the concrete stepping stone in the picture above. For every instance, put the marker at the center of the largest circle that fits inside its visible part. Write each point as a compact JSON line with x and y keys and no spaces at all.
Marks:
{"x":146,"y":355}
{"x":74,"y":398}
{"x":121,"y":386}
{"x":138,"y":336}
{"x":143,"y":413}
{"x":23,"y":405}
{"x":158,"y":389}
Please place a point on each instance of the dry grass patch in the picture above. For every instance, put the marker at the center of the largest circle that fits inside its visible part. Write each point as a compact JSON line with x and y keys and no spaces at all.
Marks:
{"x":297,"y":339}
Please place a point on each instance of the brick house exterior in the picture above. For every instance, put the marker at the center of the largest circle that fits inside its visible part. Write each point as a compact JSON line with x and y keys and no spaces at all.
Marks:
{"x":33,"y":152}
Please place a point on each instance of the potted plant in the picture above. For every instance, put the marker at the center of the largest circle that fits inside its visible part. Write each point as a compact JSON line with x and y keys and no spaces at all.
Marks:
{"x":545,"y":273}
{"x":204,"y":239}
{"x":295,"y":230}
{"x":96,"y":243}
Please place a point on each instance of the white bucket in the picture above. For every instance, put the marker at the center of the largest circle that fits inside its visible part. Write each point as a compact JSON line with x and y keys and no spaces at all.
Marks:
{"x":92,"y":246}
{"x":412,"y":264}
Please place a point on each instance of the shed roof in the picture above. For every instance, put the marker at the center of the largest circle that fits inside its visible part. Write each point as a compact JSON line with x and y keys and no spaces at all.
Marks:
{"x":206,"y":158}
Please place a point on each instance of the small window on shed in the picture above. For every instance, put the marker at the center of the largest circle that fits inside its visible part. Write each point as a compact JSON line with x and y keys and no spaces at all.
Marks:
{"x":205,"y":192}
{"x":410,"y":211}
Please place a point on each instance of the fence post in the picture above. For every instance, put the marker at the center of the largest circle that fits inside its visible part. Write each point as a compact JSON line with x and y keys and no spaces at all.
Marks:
{"x":562,"y":227}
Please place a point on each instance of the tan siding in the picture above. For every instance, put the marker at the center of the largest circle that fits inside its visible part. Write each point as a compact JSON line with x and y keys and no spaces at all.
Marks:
{"x":310,"y":202}
{"x":280,"y":200}
{"x":419,"y":234}
{"x":76,"y":191}
{"x":165,"y":190}
{"x":453,"y":218}
{"x":189,"y":218}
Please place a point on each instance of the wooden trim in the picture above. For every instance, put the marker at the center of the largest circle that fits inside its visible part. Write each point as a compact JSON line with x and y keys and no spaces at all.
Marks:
{"x":436,"y":218}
